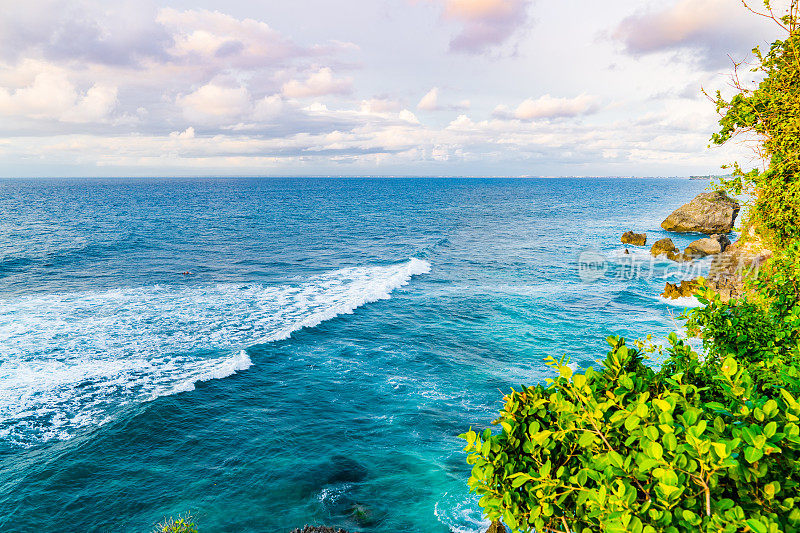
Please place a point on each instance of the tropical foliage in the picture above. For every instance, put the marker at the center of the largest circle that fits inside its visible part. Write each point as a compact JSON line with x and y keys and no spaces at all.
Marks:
{"x":769,"y":115}
{"x":707,"y":442}
{"x":183,"y":524}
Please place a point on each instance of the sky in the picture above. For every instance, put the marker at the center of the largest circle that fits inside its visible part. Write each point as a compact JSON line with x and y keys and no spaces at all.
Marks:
{"x":369,"y":87}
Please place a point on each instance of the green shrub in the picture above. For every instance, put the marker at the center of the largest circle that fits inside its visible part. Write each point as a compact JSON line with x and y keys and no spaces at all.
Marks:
{"x":627,"y":449}
{"x":703,"y":444}
{"x":182,"y":524}
{"x":707,"y":443}
{"x":763,"y":328}
{"x":770,"y":115}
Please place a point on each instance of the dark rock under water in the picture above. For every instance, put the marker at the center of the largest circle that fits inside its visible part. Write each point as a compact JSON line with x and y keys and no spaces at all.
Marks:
{"x":318,"y":529}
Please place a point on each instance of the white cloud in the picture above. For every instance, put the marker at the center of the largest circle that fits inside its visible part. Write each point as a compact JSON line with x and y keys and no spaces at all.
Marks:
{"x":214,"y":103}
{"x":319,"y":83}
{"x":94,"y":106}
{"x":547,"y":106}
{"x":268,"y":107}
{"x":661,"y":141}
{"x":408,"y":116}
{"x":429,"y":102}
{"x":462,"y":122}
{"x":78,"y":86}
{"x":51,"y":95}
{"x":83,"y":31}
{"x":202,"y":35}
{"x":379,"y":105}
{"x":188,"y":133}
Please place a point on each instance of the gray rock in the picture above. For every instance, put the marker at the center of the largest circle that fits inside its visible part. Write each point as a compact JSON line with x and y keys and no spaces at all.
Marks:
{"x":318,"y":529}
{"x":664,"y":247}
{"x":636,"y":239}
{"x":708,"y":212}
{"x":712,"y":245}
{"x":496,"y":527}
{"x":729,"y":269}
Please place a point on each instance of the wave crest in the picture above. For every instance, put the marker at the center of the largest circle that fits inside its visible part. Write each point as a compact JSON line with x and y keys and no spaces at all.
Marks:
{"x":70,"y":360}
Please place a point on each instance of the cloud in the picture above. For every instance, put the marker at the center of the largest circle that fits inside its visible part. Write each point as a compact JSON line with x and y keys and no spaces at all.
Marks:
{"x":379,"y":105}
{"x":710,"y":29}
{"x":546,"y":107}
{"x":94,"y":106}
{"x":210,"y":36}
{"x":319,"y":83}
{"x":429,"y":102}
{"x":268,"y":108}
{"x":485,"y":23}
{"x":52,"y":96}
{"x":658,"y":141}
{"x":137,"y":35}
{"x":407,"y":116}
{"x":60,"y":61}
{"x":214,"y":103}
{"x":90,"y":89}
{"x":58,"y":30}
{"x":188,"y":133}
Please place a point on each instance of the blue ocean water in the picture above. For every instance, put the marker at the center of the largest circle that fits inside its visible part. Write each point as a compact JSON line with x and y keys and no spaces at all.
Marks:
{"x":266,"y":353}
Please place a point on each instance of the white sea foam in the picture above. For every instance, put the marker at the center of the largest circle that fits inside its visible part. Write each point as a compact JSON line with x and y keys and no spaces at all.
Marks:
{"x":460,"y":513}
{"x":683,"y":301}
{"x":70,"y":360}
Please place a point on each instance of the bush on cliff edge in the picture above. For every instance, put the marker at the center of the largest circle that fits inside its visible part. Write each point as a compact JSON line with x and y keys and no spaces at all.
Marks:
{"x":707,"y":443}
{"x":703,"y":444}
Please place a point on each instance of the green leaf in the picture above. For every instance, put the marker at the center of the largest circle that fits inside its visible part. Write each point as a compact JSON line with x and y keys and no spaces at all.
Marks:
{"x":632,"y":422}
{"x":729,"y":366}
{"x":654,"y":450}
{"x":586,"y":440}
{"x":756,"y":525}
{"x":752,"y":454}
{"x":520,"y":480}
{"x":509,"y":519}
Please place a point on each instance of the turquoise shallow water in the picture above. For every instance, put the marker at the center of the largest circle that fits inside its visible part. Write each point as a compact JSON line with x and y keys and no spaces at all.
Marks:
{"x":329,"y":341}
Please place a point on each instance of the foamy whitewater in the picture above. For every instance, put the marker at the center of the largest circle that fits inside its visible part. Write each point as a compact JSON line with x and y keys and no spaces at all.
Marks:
{"x":269,"y":353}
{"x":72,"y":359}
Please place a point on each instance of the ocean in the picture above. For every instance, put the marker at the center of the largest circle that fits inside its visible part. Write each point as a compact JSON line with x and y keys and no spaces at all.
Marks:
{"x":269,"y":353}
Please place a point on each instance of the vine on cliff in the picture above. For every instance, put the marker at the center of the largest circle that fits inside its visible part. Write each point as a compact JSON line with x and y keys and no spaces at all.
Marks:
{"x":771,"y":113}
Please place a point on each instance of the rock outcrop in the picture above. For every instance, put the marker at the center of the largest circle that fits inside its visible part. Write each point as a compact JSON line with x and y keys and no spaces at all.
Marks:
{"x":665,"y":247}
{"x":318,"y":529}
{"x":679,"y":290}
{"x":496,"y":527}
{"x":728,"y":269}
{"x":636,"y":239}
{"x":708,"y":212}
{"x":712,"y":245}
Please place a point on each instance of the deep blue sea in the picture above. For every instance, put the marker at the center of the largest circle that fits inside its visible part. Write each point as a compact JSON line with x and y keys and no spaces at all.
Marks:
{"x":269,"y":353}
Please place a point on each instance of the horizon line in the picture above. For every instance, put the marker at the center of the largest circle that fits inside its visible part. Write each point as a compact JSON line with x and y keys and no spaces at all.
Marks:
{"x":365,"y":176}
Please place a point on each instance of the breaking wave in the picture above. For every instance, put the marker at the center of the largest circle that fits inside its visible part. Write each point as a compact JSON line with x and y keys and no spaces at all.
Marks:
{"x":71,"y":360}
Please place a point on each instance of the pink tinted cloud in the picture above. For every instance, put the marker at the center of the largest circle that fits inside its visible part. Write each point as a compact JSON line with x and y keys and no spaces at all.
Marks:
{"x":319,"y":83}
{"x":485,"y":23}
{"x":712,"y":28}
